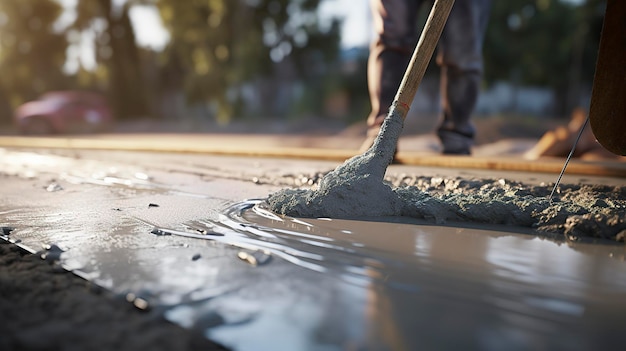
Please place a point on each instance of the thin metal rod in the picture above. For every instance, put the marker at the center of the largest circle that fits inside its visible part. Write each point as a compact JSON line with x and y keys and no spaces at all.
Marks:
{"x":569,"y":157}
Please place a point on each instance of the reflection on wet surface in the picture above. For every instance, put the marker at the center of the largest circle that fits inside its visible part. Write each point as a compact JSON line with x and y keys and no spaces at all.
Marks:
{"x":256,"y":281}
{"x":411,"y":285}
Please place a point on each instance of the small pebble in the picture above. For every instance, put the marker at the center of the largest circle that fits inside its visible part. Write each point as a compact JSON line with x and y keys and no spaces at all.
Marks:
{"x":54,"y":187}
{"x":159,"y":232}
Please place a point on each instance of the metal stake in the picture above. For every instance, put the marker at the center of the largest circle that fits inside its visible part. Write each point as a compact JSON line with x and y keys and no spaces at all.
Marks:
{"x":569,"y":157}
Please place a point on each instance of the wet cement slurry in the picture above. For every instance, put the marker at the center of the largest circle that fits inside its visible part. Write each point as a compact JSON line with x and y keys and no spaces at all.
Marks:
{"x":173,"y":231}
{"x":357,"y":189}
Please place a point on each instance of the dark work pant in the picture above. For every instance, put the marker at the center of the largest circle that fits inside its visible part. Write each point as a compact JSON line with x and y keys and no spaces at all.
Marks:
{"x":459,"y":53}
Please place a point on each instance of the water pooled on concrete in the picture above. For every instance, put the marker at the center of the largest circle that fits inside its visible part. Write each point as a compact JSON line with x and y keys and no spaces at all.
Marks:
{"x":401,"y":281}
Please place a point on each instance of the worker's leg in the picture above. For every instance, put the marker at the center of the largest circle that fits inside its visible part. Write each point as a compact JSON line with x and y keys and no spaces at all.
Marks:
{"x":394,"y":22}
{"x":460,"y":58}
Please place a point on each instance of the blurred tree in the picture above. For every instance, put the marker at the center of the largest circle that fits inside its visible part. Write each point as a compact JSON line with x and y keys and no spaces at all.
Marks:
{"x":32,"y":52}
{"x":116,"y":49}
{"x":586,"y":41}
{"x":225,"y":51}
{"x":544,"y":43}
{"x":220,"y":45}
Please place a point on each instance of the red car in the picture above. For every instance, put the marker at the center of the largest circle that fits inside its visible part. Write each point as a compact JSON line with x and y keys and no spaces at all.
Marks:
{"x":64,"y":112}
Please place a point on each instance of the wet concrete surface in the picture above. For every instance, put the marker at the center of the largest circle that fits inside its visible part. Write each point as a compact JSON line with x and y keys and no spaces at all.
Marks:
{"x":43,"y":307}
{"x":176,"y":234}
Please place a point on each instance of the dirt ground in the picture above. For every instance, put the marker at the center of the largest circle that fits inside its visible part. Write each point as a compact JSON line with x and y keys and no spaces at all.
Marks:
{"x":43,"y":307}
{"x":490,"y":128}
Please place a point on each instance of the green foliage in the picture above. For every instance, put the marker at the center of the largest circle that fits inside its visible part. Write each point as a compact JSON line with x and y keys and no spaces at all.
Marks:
{"x":32,"y":53}
{"x":535,"y":41}
{"x":219,"y":45}
{"x":547,"y":43}
{"x":220,"y":48}
{"x":116,"y":52}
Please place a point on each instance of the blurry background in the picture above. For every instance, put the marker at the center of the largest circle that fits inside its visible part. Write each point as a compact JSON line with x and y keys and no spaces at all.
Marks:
{"x":254,"y":65}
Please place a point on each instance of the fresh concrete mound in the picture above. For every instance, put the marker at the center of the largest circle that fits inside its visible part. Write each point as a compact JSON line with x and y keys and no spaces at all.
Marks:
{"x":578,"y":211}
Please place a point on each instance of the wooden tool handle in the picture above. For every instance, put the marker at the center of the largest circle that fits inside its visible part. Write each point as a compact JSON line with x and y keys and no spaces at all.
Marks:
{"x":422,"y":54}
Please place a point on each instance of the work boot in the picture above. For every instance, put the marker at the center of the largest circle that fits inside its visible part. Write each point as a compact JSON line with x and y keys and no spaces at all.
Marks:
{"x":387,"y":62}
{"x":455,"y":143}
{"x":459,"y":90}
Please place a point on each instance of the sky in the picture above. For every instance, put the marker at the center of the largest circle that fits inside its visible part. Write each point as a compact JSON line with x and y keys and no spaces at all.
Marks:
{"x":151,"y":32}
{"x":356,"y":28}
